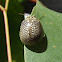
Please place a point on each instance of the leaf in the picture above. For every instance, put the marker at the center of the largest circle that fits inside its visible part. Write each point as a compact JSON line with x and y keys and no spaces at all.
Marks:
{"x":51,"y":45}
{"x":14,"y":20}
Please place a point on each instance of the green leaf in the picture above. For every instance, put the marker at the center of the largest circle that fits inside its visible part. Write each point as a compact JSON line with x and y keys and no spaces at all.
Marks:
{"x":50,"y":49}
{"x":14,"y":20}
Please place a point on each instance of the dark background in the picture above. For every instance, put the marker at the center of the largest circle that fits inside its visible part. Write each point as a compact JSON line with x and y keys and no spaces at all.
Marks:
{"x":55,"y":5}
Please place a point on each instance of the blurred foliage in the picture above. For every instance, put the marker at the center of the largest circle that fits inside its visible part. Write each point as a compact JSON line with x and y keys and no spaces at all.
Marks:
{"x":14,"y":20}
{"x":21,"y":1}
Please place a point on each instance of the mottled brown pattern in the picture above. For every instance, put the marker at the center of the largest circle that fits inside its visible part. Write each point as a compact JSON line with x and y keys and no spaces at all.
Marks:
{"x":30,"y":30}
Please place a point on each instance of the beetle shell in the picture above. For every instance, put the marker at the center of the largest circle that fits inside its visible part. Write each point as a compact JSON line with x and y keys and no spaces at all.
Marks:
{"x":30,"y":31}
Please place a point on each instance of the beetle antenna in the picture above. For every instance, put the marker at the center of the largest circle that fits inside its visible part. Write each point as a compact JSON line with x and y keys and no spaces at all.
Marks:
{"x":20,"y":13}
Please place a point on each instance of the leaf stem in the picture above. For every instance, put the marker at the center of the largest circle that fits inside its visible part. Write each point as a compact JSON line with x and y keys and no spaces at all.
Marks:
{"x":4,"y":10}
{"x":6,"y":5}
{"x":7,"y":36}
{"x":1,"y":8}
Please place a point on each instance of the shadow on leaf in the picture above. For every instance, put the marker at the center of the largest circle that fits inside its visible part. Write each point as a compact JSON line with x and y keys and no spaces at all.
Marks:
{"x":41,"y":47}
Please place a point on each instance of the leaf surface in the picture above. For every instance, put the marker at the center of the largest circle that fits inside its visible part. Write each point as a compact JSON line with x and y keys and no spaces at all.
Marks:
{"x":51,"y":46}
